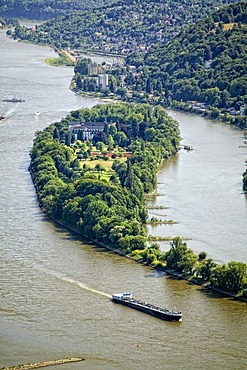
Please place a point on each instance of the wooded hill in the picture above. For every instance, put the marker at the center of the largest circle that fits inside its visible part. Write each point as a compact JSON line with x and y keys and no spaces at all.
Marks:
{"x":203,"y":69}
{"x":46,"y":9}
{"x":206,"y":62}
{"x":123,"y":27}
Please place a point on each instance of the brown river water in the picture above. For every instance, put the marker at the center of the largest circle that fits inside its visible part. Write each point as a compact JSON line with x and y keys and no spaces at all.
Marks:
{"x":55,"y":287}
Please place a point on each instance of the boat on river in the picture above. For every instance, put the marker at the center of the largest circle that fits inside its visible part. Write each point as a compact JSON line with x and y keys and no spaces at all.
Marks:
{"x":186,"y":147}
{"x":162,"y":313}
{"x":14,"y":100}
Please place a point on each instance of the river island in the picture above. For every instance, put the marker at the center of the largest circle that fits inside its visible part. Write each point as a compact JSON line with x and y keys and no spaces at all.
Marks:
{"x":91,"y":172}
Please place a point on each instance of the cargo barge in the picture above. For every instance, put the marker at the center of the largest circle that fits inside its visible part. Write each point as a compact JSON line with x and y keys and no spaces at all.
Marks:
{"x":162,"y":313}
{"x":13,"y":100}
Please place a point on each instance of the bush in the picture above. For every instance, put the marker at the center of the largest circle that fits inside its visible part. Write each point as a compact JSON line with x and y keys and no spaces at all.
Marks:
{"x":202,"y":256}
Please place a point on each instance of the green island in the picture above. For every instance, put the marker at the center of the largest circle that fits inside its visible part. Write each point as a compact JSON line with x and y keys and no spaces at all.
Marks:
{"x":91,"y":172}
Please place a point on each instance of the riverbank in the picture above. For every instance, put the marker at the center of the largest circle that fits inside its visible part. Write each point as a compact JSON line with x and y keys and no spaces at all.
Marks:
{"x":64,"y":59}
{"x":44,"y":364}
{"x":190,"y":279}
{"x":210,"y":113}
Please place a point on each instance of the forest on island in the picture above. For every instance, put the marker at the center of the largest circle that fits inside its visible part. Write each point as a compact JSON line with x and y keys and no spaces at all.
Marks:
{"x":96,"y":186}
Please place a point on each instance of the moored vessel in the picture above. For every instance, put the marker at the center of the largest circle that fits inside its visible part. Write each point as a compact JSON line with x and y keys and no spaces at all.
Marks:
{"x":162,"y":313}
{"x":13,"y":100}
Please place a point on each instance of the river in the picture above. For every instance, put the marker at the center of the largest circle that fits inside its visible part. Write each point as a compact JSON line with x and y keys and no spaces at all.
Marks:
{"x":55,"y":287}
{"x":203,"y":191}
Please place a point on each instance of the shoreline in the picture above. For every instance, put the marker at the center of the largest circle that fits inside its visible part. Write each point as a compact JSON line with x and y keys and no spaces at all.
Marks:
{"x":189,"y":279}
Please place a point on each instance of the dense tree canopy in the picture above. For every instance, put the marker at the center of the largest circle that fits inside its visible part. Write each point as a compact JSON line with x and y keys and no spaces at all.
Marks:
{"x":108,"y":210}
{"x":206,"y":63}
{"x":111,"y":209}
{"x":46,"y":9}
{"x":122,"y":27}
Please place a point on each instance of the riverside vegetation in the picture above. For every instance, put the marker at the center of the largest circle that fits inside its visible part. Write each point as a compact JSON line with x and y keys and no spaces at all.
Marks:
{"x":105,"y":201}
{"x":96,"y":187}
{"x":200,"y":68}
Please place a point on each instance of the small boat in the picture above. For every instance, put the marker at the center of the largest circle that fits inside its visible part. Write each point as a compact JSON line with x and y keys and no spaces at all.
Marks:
{"x":186,"y":147}
{"x":14,"y":100}
{"x":162,"y":313}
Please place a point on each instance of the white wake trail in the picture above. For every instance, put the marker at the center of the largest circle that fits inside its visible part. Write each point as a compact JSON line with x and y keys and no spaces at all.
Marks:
{"x":76,"y":282}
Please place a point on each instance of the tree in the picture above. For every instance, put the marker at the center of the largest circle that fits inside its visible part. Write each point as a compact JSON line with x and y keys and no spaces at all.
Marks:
{"x":232,"y":276}
{"x":100,"y":146}
{"x":179,"y":257}
{"x":82,"y":66}
{"x":99,"y":167}
{"x":86,"y":155}
{"x":78,"y":82}
{"x":56,"y":134}
{"x":110,"y":143}
{"x":206,"y":269}
{"x":68,"y":138}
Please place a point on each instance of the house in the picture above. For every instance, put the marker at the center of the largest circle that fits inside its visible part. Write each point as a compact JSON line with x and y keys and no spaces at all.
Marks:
{"x":102,"y":81}
{"x":93,"y":69}
{"x":86,"y":130}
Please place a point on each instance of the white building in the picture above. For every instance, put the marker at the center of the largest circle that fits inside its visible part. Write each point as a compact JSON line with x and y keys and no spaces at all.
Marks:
{"x":103,"y":81}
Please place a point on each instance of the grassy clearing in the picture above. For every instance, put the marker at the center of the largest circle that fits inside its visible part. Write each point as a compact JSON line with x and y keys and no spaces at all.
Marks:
{"x":64,"y":59}
{"x":102,"y":175}
{"x":107,"y":165}
{"x":226,"y":26}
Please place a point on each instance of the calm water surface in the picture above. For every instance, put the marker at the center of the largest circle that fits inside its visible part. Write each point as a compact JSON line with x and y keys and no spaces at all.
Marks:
{"x":55,"y":287}
{"x":203,"y":190}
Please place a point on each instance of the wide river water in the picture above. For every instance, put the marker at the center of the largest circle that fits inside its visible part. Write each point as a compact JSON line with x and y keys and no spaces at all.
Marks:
{"x":55,"y":288}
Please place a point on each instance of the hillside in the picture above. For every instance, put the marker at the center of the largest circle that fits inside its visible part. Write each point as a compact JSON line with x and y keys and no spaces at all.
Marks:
{"x":123,"y":27}
{"x":206,"y":62}
{"x":46,"y":9}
